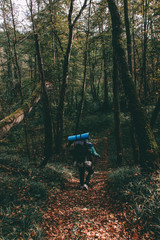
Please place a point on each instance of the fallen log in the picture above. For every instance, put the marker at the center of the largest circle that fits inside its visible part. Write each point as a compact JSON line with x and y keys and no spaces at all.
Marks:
{"x":16,"y":117}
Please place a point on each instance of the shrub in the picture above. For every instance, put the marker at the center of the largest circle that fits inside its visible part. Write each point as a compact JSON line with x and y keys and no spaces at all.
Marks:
{"x":139,"y":191}
{"x":144,"y":198}
{"x":119,"y":178}
{"x":55,"y":175}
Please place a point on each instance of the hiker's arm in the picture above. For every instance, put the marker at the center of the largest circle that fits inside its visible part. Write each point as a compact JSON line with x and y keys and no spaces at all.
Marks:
{"x":94,"y":153}
{"x":92,"y":150}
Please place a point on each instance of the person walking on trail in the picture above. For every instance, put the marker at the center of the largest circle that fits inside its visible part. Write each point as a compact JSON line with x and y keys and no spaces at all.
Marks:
{"x":83,"y":153}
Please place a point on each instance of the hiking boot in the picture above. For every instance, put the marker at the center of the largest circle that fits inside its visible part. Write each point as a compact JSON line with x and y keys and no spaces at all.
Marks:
{"x":85,"y":187}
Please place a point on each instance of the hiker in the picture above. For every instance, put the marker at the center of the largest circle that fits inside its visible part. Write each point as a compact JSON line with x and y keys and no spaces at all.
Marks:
{"x":82,"y":157}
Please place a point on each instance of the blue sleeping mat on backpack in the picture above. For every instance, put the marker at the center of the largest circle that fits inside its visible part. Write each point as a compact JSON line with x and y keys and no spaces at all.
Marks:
{"x":78,"y":137}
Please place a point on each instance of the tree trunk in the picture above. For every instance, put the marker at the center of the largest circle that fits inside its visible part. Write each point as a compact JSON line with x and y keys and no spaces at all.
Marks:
{"x":105,"y":81}
{"x":144,"y":75}
{"x":46,"y":108}
{"x":19,"y":74}
{"x":155,"y":114}
{"x":60,"y":114}
{"x":84,"y":75}
{"x":10,"y":61}
{"x":45,"y":101}
{"x":129,"y":51}
{"x":147,"y":144}
{"x":134,"y":49}
{"x":117,"y":124}
{"x":128,"y":34}
{"x":18,"y":69}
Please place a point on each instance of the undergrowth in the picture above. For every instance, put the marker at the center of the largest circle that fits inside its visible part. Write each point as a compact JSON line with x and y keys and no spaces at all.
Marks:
{"x":25,"y":187}
{"x":24,"y":195}
{"x":139,"y":194}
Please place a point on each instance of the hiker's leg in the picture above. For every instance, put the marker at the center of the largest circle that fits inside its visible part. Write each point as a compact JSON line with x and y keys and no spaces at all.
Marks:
{"x":89,"y":175}
{"x":81,"y":175}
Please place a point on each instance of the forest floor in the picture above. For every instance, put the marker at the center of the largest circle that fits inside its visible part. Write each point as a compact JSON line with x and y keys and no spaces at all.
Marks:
{"x":78,"y":214}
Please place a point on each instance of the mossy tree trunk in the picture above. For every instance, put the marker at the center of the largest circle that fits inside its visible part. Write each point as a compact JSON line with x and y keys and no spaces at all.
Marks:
{"x":16,"y":117}
{"x":147,"y":144}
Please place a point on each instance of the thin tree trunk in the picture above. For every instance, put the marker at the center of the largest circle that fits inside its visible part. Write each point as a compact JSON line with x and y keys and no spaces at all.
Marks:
{"x":117,"y":124}
{"x":46,"y":107}
{"x":134,"y":49}
{"x":128,"y":34}
{"x":18,"y":69}
{"x":60,"y":114}
{"x":145,"y":40}
{"x":15,"y":54}
{"x":147,"y":144}
{"x":129,"y":51}
{"x":84,"y":74}
{"x":105,"y":80}
{"x":45,"y":100}
{"x":155,"y":114}
{"x":10,"y":53}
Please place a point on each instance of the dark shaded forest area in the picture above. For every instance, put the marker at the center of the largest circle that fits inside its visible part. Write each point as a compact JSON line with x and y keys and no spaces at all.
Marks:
{"x":71,"y":67}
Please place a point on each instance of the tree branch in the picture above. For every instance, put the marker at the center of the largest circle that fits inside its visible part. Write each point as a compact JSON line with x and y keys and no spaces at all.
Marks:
{"x":80,"y":12}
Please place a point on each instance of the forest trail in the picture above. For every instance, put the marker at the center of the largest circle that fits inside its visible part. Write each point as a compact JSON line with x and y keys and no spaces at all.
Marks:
{"x":86,"y":215}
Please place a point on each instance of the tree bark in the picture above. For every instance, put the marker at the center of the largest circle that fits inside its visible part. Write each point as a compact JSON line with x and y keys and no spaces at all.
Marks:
{"x":147,"y":144}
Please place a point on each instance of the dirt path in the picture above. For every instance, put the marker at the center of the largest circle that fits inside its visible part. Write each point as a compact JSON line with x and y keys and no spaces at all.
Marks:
{"x":86,"y":215}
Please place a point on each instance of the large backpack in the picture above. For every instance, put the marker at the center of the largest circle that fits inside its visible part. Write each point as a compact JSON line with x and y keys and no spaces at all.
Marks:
{"x":80,"y":152}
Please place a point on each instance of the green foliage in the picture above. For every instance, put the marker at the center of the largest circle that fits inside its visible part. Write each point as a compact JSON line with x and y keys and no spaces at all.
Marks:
{"x":119,"y":178}
{"x":53,"y":176}
{"x":21,"y":222}
{"x":145,"y":200}
{"x":96,"y":122}
{"x":24,"y":195}
{"x":138,"y":192}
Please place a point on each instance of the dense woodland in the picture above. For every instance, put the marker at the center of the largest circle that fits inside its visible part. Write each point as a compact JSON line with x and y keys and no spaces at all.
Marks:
{"x":72,"y":67}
